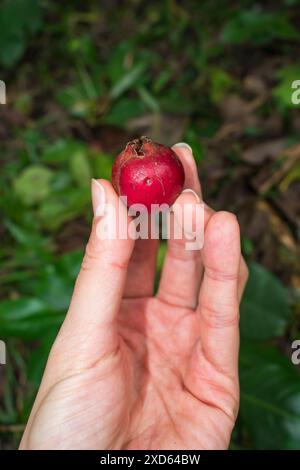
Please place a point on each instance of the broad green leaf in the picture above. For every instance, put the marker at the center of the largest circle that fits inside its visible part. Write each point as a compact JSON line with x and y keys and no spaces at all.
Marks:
{"x":102,"y":165}
{"x":32,"y":247}
{"x":69,"y":264}
{"x":80,"y":168}
{"x":53,"y":288}
{"x":123,"y":110}
{"x":27,"y":318}
{"x":116,"y":66}
{"x":61,"y":150}
{"x":192,"y":138}
{"x":19,"y":19}
{"x":270,"y":397}
{"x":39,"y":355}
{"x":12,"y":48}
{"x":265,"y":308}
{"x":76,"y":101}
{"x":257,"y":27}
{"x":33,"y":185}
{"x":54,"y":283}
{"x":63,"y":206}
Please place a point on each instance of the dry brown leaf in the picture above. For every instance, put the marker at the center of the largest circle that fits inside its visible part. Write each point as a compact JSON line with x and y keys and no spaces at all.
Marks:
{"x":264,"y":151}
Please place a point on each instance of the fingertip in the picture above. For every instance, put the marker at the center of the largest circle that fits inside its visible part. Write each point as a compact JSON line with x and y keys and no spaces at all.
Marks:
{"x":108,"y":187}
{"x":185,"y":154}
{"x":111,"y":219}
{"x":98,"y":197}
{"x":222,"y":250}
{"x":183,"y":145}
{"x":223,"y":227}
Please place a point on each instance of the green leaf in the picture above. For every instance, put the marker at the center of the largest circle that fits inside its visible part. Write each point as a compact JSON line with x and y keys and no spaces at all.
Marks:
{"x":161,"y":255}
{"x":220,"y":83}
{"x":191,"y":137}
{"x":102,"y":165}
{"x":270,"y":397}
{"x":148,"y":99}
{"x":54,"y":283}
{"x":127,"y":81}
{"x":80,"y":168}
{"x":160,"y":261}
{"x":257,"y":27}
{"x":22,"y":236}
{"x":33,"y":184}
{"x":19,"y":19}
{"x":115,"y":68}
{"x":38,"y":357}
{"x":161,"y":81}
{"x":63,"y":206}
{"x":52,"y":288}
{"x":69,"y":264}
{"x":76,"y":101}
{"x":61,"y":150}
{"x":283,"y":91}
{"x":265,"y":308}
{"x":26,"y":318}
{"x":123,"y":110}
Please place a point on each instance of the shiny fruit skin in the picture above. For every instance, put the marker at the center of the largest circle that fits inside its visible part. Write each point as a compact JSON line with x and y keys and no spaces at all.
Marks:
{"x":148,"y":173}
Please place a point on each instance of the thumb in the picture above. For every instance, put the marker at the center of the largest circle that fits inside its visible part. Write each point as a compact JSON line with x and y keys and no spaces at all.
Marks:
{"x":89,"y":331}
{"x":99,"y":287}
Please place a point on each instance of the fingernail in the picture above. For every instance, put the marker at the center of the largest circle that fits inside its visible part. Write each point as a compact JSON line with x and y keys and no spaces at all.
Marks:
{"x":187,"y":215}
{"x":98,"y":198}
{"x":183,"y":145}
{"x":188,"y":190}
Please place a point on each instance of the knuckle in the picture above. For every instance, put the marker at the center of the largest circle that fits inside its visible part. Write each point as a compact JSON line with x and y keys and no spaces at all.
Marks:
{"x":221,"y":317}
{"x":219,"y":275}
{"x":228,"y":217}
{"x":92,"y":255}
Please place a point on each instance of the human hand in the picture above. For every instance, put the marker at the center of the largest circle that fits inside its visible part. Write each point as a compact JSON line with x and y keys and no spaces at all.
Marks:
{"x":129,"y":370}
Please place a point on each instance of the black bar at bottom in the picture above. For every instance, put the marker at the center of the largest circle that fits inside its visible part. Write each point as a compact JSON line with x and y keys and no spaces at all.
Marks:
{"x":135,"y":459}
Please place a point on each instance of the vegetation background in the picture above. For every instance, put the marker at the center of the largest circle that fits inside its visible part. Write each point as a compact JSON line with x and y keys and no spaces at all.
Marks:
{"x":85,"y":77}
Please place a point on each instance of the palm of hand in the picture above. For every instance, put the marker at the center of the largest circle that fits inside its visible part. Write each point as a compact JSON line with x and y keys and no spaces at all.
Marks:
{"x":157,"y":390}
{"x":179,"y":400}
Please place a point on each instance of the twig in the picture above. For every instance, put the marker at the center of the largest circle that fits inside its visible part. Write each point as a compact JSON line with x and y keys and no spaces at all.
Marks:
{"x":292,"y":154}
{"x":12,"y":427}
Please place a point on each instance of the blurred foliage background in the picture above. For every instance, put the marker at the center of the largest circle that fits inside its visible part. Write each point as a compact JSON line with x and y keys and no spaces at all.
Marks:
{"x":82,"y":79}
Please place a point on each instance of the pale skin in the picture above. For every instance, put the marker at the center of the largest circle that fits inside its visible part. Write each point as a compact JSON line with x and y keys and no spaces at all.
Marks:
{"x":134,"y":370}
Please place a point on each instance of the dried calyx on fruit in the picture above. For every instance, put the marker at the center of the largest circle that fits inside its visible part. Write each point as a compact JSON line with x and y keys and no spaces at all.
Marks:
{"x":148,"y":173}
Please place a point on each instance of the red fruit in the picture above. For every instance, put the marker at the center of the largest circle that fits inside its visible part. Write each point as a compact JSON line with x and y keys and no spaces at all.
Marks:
{"x":148,"y":173}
